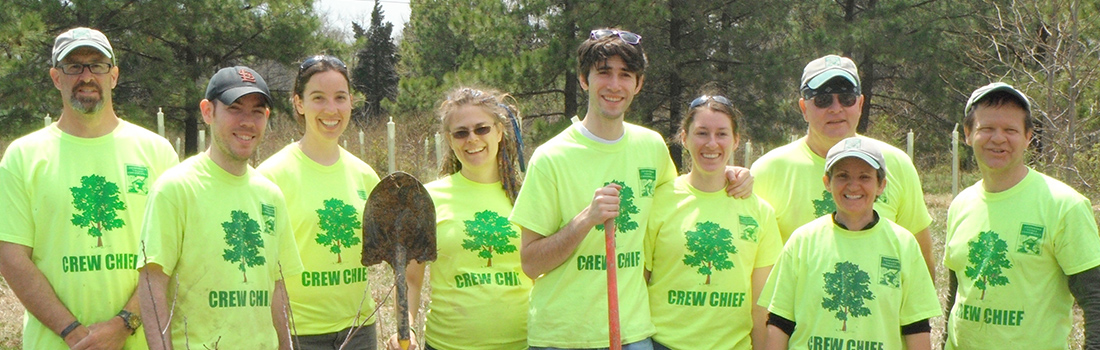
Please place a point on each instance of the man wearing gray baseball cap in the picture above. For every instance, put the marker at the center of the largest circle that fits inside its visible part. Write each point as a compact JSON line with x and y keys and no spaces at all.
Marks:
{"x":789,"y":177}
{"x":217,"y":236}
{"x":71,"y":201}
{"x":1021,"y":246}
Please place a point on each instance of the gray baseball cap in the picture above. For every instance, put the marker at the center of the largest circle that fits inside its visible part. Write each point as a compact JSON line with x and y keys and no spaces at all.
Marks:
{"x":859,"y":147}
{"x":230,"y":83}
{"x":80,"y":37}
{"x":998,"y":86}
{"x":823,"y":69}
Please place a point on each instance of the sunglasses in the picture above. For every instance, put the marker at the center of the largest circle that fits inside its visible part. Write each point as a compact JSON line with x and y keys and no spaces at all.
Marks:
{"x":826,"y":100}
{"x":703,"y":99}
{"x":628,"y":37}
{"x":464,"y":133}
{"x":78,"y":68}
{"x":310,"y":62}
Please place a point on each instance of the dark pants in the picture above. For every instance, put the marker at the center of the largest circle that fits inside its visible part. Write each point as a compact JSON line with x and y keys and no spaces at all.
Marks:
{"x":366,"y":338}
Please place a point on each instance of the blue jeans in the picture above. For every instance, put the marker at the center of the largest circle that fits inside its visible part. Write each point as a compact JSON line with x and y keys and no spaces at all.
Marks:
{"x":645,"y":344}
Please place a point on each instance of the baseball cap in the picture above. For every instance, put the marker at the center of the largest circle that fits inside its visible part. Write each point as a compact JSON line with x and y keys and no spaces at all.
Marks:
{"x":230,"y":83}
{"x":823,"y":69}
{"x":80,"y":37}
{"x":856,"y":146}
{"x":998,"y":86}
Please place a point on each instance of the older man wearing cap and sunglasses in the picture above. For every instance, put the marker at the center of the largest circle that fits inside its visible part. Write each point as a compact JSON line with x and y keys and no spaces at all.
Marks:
{"x":789,"y":177}
{"x":1021,"y":246}
{"x":71,"y":201}
{"x":217,"y":236}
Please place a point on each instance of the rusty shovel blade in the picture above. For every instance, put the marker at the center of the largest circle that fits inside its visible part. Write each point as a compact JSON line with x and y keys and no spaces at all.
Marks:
{"x":399,"y":226}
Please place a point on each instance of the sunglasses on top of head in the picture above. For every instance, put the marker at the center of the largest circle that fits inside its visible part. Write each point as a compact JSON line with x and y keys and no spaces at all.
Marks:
{"x":846,"y":99}
{"x":313,"y":60}
{"x":464,"y":133}
{"x":628,"y":37}
{"x":703,"y":100}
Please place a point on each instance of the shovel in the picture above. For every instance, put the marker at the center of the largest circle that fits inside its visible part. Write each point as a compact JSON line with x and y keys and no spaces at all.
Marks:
{"x":398,"y":226}
{"x":616,"y":342}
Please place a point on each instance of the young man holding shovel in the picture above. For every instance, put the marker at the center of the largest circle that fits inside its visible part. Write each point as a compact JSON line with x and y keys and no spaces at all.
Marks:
{"x":217,"y":236}
{"x":598,"y":169}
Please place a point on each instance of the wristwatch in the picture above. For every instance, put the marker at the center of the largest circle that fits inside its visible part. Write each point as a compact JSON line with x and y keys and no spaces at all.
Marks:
{"x":131,"y":321}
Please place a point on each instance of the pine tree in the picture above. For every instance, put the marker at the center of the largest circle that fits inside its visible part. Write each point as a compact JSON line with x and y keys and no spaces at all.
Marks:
{"x":375,"y":74}
{"x":339,"y":224}
{"x":987,"y":256}
{"x":242,"y":234}
{"x":710,"y":247}
{"x":848,"y":287}
{"x":98,"y":202}
{"x":489,"y":233}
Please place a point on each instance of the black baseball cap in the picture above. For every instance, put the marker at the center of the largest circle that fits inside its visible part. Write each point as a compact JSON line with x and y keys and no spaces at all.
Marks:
{"x":230,"y":83}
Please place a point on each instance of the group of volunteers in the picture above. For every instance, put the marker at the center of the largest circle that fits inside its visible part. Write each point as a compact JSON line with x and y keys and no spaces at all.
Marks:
{"x":111,"y":243}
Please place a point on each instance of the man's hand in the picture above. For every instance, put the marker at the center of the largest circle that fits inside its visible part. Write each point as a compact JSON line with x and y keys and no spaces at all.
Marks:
{"x":539,"y":254}
{"x":604,"y":206}
{"x":108,"y":335}
{"x":738,"y":182}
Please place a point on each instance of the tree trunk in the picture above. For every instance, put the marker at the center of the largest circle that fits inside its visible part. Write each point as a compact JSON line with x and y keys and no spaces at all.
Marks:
{"x":675,"y":86}
{"x":572,"y":86}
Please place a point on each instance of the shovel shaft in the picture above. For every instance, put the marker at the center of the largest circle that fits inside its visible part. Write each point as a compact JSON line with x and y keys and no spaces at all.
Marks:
{"x":402,"y":298}
{"x":612,"y":286}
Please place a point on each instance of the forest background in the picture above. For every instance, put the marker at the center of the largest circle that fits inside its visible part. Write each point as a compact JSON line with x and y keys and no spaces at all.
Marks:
{"x":918,"y":61}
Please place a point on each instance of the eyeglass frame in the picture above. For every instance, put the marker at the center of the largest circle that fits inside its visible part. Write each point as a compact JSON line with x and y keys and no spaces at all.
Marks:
{"x":839,"y":99}
{"x":315,"y":59}
{"x":699,"y":101}
{"x":63,"y":67}
{"x":597,"y":34}
{"x":466,"y":133}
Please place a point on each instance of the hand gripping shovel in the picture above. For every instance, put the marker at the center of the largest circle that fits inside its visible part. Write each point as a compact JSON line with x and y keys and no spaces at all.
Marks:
{"x":398,"y":226}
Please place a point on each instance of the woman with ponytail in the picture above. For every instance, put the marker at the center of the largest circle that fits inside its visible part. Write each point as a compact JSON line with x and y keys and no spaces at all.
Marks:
{"x":479,"y":292}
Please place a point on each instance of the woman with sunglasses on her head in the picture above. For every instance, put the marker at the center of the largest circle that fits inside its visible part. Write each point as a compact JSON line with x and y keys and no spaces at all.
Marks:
{"x":708,"y":254}
{"x":326,"y":188}
{"x":479,"y":292}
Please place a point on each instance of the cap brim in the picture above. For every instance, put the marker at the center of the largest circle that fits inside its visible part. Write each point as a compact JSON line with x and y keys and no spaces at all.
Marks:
{"x":825,"y":76}
{"x":232,"y":95}
{"x":1007,"y":88}
{"x":66,"y":51}
{"x":865,"y":157}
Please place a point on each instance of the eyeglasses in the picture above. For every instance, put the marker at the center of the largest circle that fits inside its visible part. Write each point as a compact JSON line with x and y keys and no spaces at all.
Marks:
{"x":464,"y":133}
{"x":309,"y":62}
{"x":826,"y":100}
{"x":703,"y":99}
{"x":78,"y":68}
{"x":628,"y":37}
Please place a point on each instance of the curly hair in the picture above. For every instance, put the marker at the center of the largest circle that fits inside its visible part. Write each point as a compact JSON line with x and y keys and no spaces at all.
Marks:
{"x":510,"y":155}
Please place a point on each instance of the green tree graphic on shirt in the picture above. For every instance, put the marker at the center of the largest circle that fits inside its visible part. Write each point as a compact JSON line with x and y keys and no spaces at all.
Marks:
{"x":242,"y":234}
{"x":988,"y":256}
{"x":848,"y":287}
{"x":824,"y":206}
{"x":710,"y":247}
{"x":339,"y":223}
{"x":489,"y":233}
{"x":97,"y":201}
{"x":623,"y":223}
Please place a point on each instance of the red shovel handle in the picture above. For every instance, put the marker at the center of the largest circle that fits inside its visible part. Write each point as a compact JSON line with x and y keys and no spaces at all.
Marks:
{"x":612,"y":287}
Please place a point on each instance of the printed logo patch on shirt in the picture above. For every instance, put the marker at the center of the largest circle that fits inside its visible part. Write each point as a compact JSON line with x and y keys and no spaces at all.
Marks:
{"x":889,"y":272}
{"x":623,"y":222}
{"x":988,"y":256}
{"x":268,"y":211}
{"x":846,"y":288}
{"x":242,"y":235}
{"x":825,"y":205}
{"x":489,"y":233}
{"x":96,"y":203}
{"x":648,"y":178}
{"x":748,"y":228}
{"x":137,"y":178}
{"x":709,"y":247}
{"x":339,"y":223}
{"x":1031,"y":239}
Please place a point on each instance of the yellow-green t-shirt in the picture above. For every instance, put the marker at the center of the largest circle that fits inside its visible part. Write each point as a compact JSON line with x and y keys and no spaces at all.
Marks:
{"x":224,"y":241}
{"x":325,"y":205}
{"x":702,"y":248}
{"x":850,"y":289}
{"x":569,"y":303}
{"x":789,"y":178}
{"x":78,"y":203}
{"x":1011,"y":252}
{"x":479,"y":291}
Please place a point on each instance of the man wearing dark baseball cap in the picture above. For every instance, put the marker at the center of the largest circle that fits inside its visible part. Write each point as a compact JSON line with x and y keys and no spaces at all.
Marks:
{"x":789,"y":177}
{"x":1034,"y":237}
{"x":218,"y":229}
{"x":71,"y":201}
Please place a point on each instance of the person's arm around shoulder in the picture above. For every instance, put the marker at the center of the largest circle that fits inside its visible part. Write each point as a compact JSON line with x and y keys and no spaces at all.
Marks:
{"x":738,"y":182}
{"x":539,"y":254}
{"x":1085,"y":287}
{"x":35,"y":292}
{"x":153,"y":297}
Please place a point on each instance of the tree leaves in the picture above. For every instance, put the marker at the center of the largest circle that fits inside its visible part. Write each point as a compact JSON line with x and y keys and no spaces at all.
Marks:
{"x":987,"y":257}
{"x":242,"y":234}
{"x":98,"y":202}
{"x":710,"y":246}
{"x":489,"y":232}
{"x":339,"y":224}
{"x":847,"y":287}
